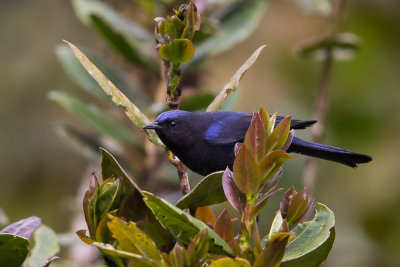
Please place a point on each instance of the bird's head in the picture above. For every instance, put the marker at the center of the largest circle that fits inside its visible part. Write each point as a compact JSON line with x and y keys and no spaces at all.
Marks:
{"x":173,"y":127}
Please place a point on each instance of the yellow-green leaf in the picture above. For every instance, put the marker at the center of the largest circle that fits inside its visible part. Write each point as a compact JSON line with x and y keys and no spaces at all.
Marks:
{"x":278,"y":137}
{"x":136,"y":259}
{"x":177,"y":51}
{"x":272,"y":255}
{"x":131,"y":239}
{"x":237,"y":262}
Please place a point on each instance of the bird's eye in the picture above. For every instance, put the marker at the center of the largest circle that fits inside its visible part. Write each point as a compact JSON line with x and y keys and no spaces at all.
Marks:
{"x":172,"y":124}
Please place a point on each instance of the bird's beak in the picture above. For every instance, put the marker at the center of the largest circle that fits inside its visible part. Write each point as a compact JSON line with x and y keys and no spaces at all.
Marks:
{"x":152,"y":126}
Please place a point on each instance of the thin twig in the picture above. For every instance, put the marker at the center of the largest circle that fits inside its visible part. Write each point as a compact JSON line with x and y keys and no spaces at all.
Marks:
{"x":182,"y":172}
{"x":173,"y":104}
{"x":322,"y":101}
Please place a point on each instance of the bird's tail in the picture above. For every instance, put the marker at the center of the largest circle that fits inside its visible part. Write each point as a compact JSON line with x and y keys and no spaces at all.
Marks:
{"x":331,"y":153}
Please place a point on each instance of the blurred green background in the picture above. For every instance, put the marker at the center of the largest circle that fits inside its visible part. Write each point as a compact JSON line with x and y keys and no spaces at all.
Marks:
{"x":40,"y":175}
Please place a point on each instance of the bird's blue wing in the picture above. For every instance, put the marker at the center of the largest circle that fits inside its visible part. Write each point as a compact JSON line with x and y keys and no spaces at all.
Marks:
{"x":229,"y":129}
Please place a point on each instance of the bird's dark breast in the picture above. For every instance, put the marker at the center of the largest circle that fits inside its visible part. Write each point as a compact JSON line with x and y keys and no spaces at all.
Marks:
{"x":206,"y":159}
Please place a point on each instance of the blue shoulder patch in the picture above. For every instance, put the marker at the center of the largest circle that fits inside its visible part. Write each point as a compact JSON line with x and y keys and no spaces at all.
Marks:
{"x":216,"y":129}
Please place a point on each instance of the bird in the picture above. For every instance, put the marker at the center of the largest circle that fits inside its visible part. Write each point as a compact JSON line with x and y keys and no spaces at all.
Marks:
{"x":205,"y":141}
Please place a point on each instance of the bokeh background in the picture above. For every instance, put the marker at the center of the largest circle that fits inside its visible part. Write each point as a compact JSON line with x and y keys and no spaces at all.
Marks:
{"x":41,"y":176}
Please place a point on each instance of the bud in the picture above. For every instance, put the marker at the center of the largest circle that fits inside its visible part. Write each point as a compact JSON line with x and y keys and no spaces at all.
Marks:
{"x":294,"y":206}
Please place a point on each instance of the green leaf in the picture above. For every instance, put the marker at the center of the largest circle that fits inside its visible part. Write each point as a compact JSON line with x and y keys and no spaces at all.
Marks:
{"x":246,"y":171}
{"x":177,"y":51}
{"x":129,"y":39}
{"x":132,"y":111}
{"x":131,"y":239}
{"x":315,"y":257}
{"x":343,"y":47}
{"x":133,"y":208}
{"x":78,"y":73}
{"x":235,"y":25}
{"x":13,"y":250}
{"x":237,"y":262}
{"x":207,"y":192}
{"x":103,"y":234}
{"x":312,"y":240}
{"x":233,"y":83}
{"x":184,"y":226}
{"x":97,"y":119}
{"x":108,"y":197}
{"x":85,"y":145}
{"x":45,"y":246}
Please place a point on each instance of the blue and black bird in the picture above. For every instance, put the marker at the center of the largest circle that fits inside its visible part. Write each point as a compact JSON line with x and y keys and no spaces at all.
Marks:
{"x":205,"y":141}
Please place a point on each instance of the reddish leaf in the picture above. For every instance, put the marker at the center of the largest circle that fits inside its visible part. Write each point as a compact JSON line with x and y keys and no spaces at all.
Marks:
{"x":256,"y":137}
{"x":176,"y":256}
{"x":297,"y":207}
{"x":93,"y":186}
{"x":273,"y":182}
{"x":224,"y":227}
{"x":23,"y":228}
{"x":246,"y":171}
{"x":285,"y":200}
{"x":232,"y":192}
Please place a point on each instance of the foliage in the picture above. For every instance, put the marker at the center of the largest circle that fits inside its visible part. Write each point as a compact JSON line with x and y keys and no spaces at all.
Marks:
{"x":15,"y":244}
